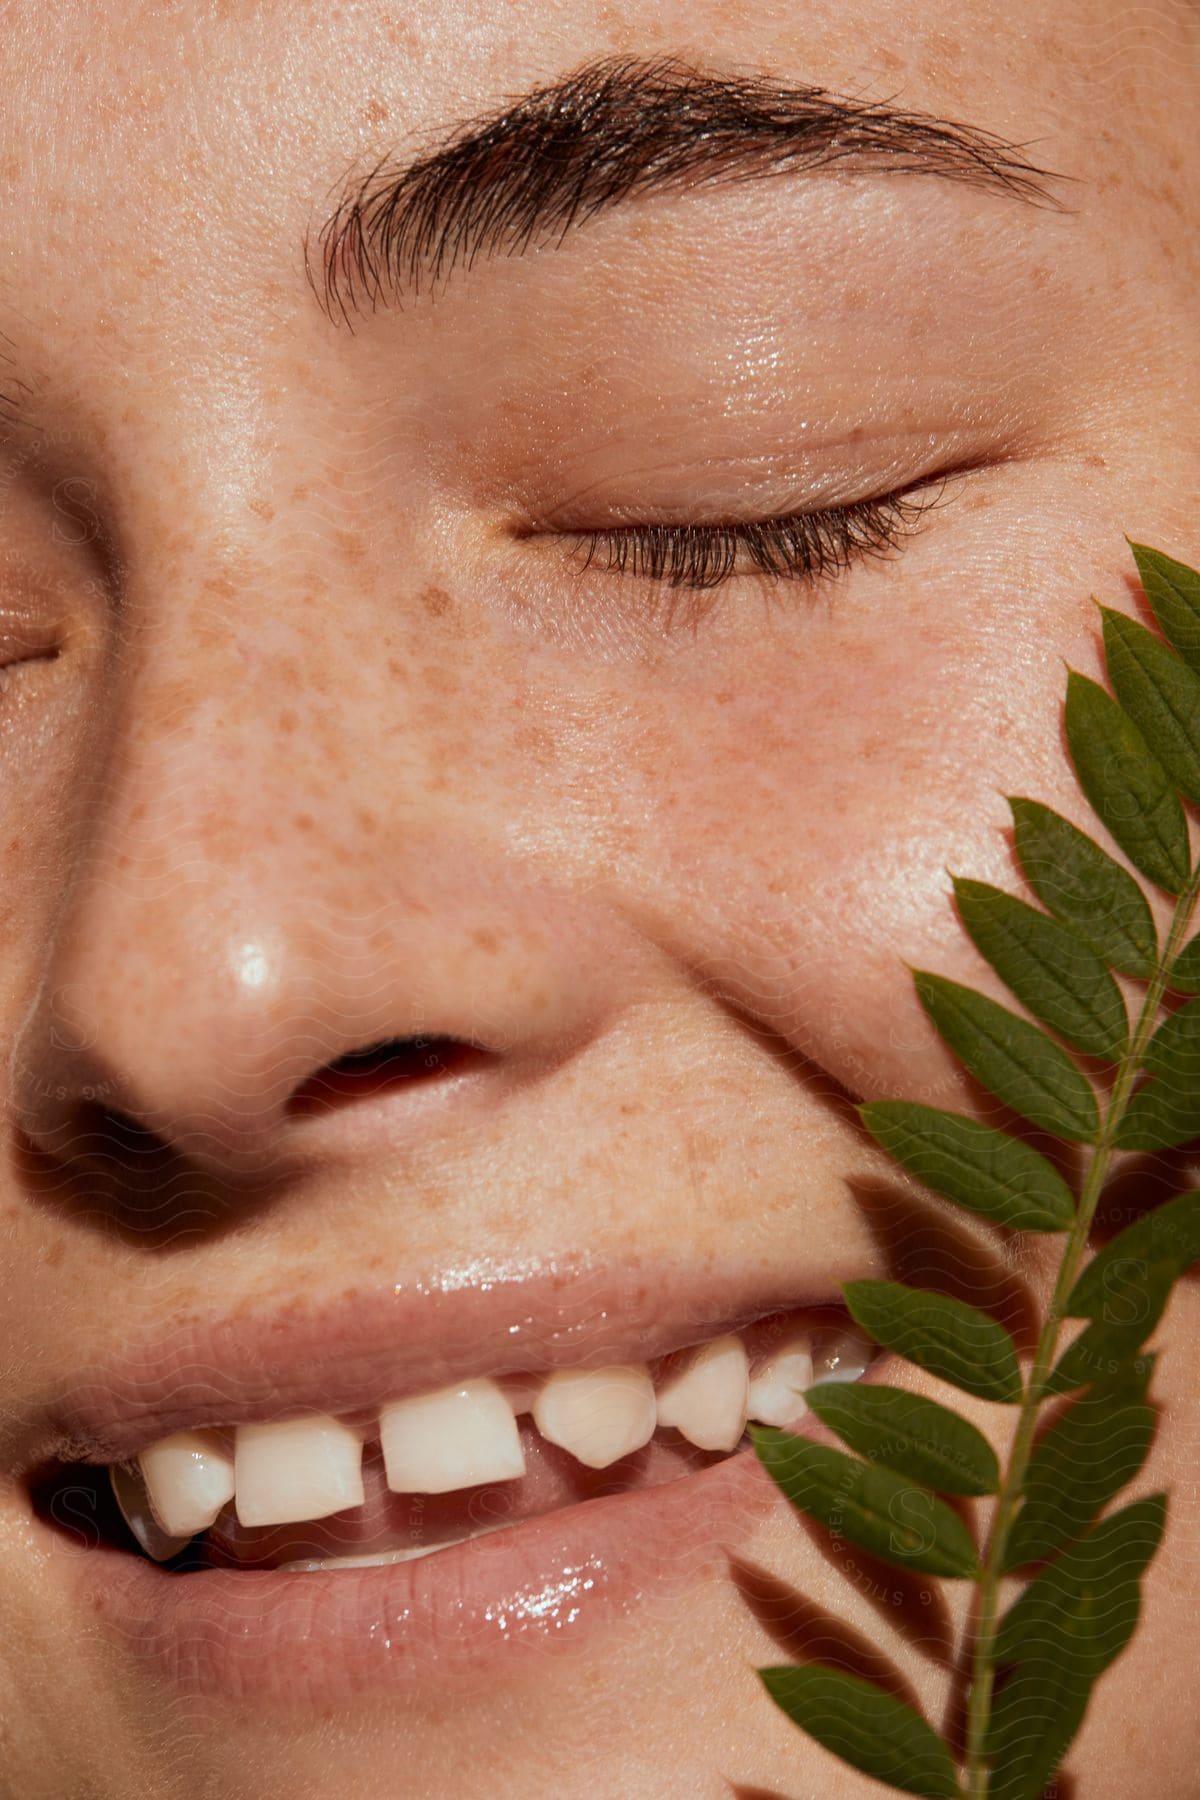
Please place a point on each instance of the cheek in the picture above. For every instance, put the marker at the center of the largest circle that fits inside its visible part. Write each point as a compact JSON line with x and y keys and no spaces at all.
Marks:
{"x":815,"y":802}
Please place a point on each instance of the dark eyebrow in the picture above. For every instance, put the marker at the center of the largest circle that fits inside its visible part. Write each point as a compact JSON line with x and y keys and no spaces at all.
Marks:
{"x":610,"y":131}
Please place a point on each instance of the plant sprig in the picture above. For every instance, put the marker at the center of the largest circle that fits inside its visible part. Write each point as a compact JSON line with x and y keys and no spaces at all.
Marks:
{"x":1030,"y":1670}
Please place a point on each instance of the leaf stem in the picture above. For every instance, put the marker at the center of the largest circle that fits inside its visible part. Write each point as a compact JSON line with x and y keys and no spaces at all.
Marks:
{"x":980,"y":1694}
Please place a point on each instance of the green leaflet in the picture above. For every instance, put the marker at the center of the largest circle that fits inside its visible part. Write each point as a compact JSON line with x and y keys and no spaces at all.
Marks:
{"x":1035,"y":1714}
{"x":1070,"y":1623}
{"x":1160,"y":694}
{"x":1170,"y":1233}
{"x":1048,"y":968}
{"x":979,"y":1168}
{"x":1173,"y":591}
{"x":1087,"y":1455}
{"x":1184,"y":974}
{"x":1167,"y":1110}
{"x":909,"y":1433}
{"x":868,"y":1728}
{"x":1085,"y":888}
{"x":1015,"y":1061}
{"x":1137,"y":1293}
{"x":962,"y":1345}
{"x":880,"y":1511}
{"x":1119,"y":1548}
{"x":1127,"y":786}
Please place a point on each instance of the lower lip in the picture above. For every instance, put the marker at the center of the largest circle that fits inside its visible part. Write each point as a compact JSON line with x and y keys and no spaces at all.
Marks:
{"x":467,"y":1613}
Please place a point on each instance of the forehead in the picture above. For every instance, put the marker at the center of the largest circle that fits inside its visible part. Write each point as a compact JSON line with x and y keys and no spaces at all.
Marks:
{"x":182,"y":159}
{"x":282,"y":96}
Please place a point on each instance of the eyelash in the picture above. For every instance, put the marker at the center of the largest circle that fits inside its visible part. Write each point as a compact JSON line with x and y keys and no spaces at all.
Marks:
{"x":803,"y":547}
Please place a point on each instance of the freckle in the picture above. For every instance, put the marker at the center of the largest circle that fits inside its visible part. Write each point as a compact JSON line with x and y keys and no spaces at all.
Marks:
{"x":302,"y":821}
{"x":301,"y":491}
{"x":724,"y":697}
{"x":375,"y":112}
{"x":1095,"y":462}
{"x":486,"y":939}
{"x":351,"y":546}
{"x":287,"y":723}
{"x":436,"y":600}
{"x":367,"y":822}
{"x":263,"y":508}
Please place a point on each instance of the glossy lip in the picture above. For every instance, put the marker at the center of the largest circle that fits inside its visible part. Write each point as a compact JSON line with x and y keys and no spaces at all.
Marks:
{"x":352,"y":1354}
{"x":492,"y":1607}
{"x":322,"y":1637}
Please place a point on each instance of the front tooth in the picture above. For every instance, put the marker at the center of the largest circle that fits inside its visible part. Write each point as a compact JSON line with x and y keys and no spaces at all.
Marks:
{"x":134,"y":1502}
{"x":598,"y":1415}
{"x":777,"y":1391}
{"x":707,"y":1400}
{"x":296,"y":1469}
{"x":457,"y":1437}
{"x":189,"y":1478}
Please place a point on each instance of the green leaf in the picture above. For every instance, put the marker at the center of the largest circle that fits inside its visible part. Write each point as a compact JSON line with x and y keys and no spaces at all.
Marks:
{"x":1138,"y":1294}
{"x":1167,"y":1110}
{"x":1048,"y":968}
{"x":1158,"y":1119}
{"x":1173,"y":591}
{"x":1086,"y":1456}
{"x":949,"y":1338}
{"x":867,"y":1728}
{"x":1085,"y":888}
{"x":880,"y":1511}
{"x":1015,"y":1061}
{"x":1160,"y":694}
{"x":1070,"y":1623}
{"x":1116,"y":1550}
{"x":908,"y":1433}
{"x":1127,"y":785}
{"x":1035,"y":1715}
{"x":1183,"y":977}
{"x":979,"y":1168}
{"x":1171,"y":1233}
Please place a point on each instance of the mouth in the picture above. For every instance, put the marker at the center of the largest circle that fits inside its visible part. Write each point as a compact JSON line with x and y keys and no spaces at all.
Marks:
{"x":309,"y":1519}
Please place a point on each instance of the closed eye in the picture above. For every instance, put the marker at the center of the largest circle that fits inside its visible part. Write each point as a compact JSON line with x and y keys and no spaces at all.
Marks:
{"x":803,"y":547}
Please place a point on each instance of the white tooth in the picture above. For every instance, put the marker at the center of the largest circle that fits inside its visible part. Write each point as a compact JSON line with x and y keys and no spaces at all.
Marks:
{"x":844,"y":1355}
{"x":457,"y":1437}
{"x":296,"y":1469}
{"x":597,"y":1414}
{"x":707,"y":1399}
{"x":383,"y":1557}
{"x":131,"y":1496}
{"x":189,"y":1478}
{"x":777,"y":1390}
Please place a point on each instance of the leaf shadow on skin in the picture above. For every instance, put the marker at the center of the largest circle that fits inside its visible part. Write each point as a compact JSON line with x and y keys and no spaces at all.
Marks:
{"x":808,"y":1632}
{"x":738,"y":1791}
{"x":926,"y":1243}
{"x":1140,"y":1185}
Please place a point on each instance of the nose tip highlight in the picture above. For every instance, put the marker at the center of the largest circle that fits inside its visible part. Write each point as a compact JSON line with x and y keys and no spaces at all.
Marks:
{"x":250,"y":1055}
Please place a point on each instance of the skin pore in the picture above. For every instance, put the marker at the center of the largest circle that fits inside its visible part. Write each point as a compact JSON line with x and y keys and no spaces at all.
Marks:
{"x":315,"y":730}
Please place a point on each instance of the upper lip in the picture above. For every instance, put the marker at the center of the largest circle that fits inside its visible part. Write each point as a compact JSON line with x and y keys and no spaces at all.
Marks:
{"x":377,"y":1343}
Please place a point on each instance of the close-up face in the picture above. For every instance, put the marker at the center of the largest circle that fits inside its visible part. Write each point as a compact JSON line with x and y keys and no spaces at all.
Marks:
{"x":534,"y":542}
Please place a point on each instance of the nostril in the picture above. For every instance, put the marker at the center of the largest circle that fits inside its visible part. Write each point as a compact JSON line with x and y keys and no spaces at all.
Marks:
{"x":396,"y":1062}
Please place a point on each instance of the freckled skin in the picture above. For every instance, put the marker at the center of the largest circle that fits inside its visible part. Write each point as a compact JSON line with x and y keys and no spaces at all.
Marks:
{"x":438,"y":784}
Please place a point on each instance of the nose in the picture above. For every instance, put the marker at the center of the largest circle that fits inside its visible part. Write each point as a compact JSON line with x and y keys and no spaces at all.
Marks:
{"x":241,"y":950}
